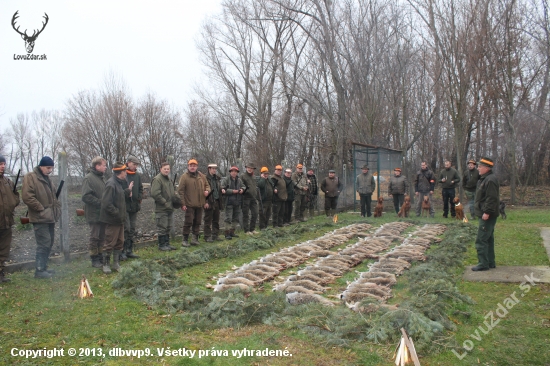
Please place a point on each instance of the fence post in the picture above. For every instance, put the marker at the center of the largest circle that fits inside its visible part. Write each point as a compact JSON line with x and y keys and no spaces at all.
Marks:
{"x":64,"y":198}
{"x":170,"y":160}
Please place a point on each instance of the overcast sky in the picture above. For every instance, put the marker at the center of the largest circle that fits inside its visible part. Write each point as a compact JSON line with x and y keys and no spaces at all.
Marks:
{"x":150,"y":43}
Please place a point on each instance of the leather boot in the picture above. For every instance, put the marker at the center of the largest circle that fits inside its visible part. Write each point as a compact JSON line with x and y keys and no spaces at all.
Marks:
{"x":116,"y":258}
{"x":215,"y":237}
{"x":233,"y":235}
{"x":228,"y":235}
{"x":162,"y":243}
{"x":194,"y":240}
{"x":107,"y":262}
{"x":185,"y":242}
{"x":209,"y":239}
{"x":130,"y":250}
{"x":3,"y":277}
{"x":96,"y":261}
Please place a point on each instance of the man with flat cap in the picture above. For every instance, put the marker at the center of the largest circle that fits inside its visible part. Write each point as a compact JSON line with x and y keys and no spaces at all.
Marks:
{"x":193,"y":189}
{"x":486,"y":206}
{"x":365,"y":186}
{"x":38,"y":193}
{"x":133,"y":206}
{"x":9,"y":198}
{"x":213,"y":206}
{"x":398,"y":188}
{"x":331,"y":187}
{"x":469,"y":184}
{"x":301,"y":189}
{"x":250,"y":196}
{"x":232,"y":188}
{"x":113,"y":215}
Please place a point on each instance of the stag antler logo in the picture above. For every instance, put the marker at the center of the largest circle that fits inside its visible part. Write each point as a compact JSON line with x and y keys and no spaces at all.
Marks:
{"x":29,"y":41}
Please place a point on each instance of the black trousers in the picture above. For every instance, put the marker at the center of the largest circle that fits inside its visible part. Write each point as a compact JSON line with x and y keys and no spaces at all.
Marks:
{"x":448,"y":196}
{"x":278,"y":213}
{"x":288,"y":212}
{"x":330,"y":205}
{"x":398,"y":201}
{"x":366,"y":200}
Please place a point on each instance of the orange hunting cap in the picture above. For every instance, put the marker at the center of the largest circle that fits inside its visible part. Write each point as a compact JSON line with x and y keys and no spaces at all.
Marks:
{"x":234,"y":168}
{"x":193,"y":161}
{"x":299,"y":166}
{"x":119,"y":166}
{"x":279,"y":167}
{"x":397,"y":169}
{"x":264,"y":170}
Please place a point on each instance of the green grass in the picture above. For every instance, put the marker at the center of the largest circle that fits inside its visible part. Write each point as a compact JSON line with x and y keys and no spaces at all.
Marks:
{"x":46,"y":313}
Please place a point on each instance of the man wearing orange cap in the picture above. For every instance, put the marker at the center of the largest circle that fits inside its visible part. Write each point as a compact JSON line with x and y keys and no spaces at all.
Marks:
{"x":398,"y":188}
{"x":193,"y":189}
{"x":265,"y":185}
{"x":232,"y":188}
{"x":279,"y":196}
{"x":469,"y":183}
{"x":301,"y":190}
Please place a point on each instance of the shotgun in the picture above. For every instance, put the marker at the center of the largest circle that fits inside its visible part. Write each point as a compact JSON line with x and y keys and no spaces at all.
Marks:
{"x":59,"y":189}
{"x":16,"y":180}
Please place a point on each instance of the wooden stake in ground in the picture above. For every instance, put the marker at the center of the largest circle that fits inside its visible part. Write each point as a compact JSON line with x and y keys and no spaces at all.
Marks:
{"x":406,"y":352}
{"x":84,"y":289}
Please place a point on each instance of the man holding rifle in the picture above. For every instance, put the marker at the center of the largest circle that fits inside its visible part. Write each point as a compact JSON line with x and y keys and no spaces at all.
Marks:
{"x":9,"y":198}
{"x":39,"y":194}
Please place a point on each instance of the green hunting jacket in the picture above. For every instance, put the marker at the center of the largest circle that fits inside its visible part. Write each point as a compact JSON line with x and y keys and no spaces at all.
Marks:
{"x":8,"y":201}
{"x":469,"y":180}
{"x":487,"y":195}
{"x":92,"y":191}
{"x":365,"y":183}
{"x":266,"y":189}
{"x":38,"y":193}
{"x":280,"y":185}
{"x":398,"y":185}
{"x":300,"y":183}
{"x":451,"y":175}
{"x":113,"y":202}
{"x":290,"y":194}
{"x":162,"y":191}
{"x":251,"y":190}
{"x":133,"y":204}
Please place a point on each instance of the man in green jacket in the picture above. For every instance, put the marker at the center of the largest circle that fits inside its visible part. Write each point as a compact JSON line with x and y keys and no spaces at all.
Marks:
{"x":44,"y":210}
{"x":250,"y":203}
{"x":448,"y":178}
{"x":287,"y":218}
{"x":301,"y":189}
{"x":365,"y":186}
{"x":92,"y":191}
{"x":162,"y":191}
{"x":9,"y":199}
{"x":133,"y":206}
{"x":398,"y":188}
{"x":193,"y":189}
{"x":469,"y":183}
{"x":213,"y":206}
{"x":279,"y":196}
{"x":265,"y":186}
{"x":487,"y":209}
{"x":232,"y":188}
{"x":331,"y":187}
{"x":113,"y":215}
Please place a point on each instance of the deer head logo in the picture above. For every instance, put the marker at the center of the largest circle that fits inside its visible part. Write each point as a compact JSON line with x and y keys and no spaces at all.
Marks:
{"x":29,"y":40}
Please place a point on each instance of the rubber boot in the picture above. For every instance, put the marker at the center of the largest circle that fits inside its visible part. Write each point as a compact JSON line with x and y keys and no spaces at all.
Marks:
{"x":228,"y":235}
{"x":40,"y":271}
{"x":194,"y":240}
{"x":3,"y":277}
{"x":107,"y":262}
{"x":167,"y":240}
{"x":162,"y":243}
{"x":96,"y":261}
{"x":122,"y":255}
{"x":233,"y":235}
{"x":185,"y":242}
{"x":116,"y":258}
{"x":130,"y":251}
{"x":46,"y":258}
